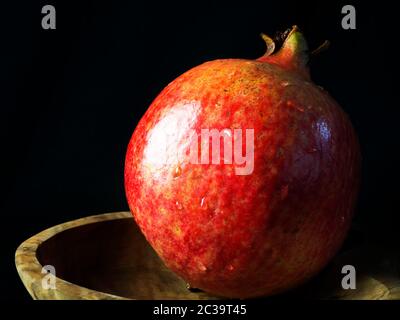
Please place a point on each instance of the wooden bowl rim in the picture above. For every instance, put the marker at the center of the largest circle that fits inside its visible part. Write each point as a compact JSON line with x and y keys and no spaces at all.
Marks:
{"x":30,"y":269}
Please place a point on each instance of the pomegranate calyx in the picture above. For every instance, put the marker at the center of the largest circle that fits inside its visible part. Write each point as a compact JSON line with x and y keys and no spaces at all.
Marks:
{"x":270,"y":45}
{"x":324,"y":46}
{"x":293,"y":55}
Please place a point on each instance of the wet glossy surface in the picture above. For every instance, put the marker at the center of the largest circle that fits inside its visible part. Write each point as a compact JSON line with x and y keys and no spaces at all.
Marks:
{"x":251,"y":234}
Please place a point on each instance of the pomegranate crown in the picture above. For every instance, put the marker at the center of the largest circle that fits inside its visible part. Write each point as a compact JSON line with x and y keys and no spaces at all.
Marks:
{"x":293,"y":54}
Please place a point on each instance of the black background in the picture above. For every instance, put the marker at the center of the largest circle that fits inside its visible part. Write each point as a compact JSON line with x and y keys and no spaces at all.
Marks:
{"x":71,"y":97}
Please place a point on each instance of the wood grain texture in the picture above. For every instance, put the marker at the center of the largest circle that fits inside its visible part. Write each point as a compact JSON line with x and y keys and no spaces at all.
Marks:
{"x":106,"y":257}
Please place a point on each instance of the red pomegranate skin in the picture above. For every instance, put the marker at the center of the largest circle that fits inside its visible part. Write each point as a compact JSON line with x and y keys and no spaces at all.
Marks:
{"x":243,"y":236}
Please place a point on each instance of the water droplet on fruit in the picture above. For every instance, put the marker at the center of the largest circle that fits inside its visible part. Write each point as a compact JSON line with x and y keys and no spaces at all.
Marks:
{"x":231,"y":267}
{"x":192,"y":289}
{"x":312,"y":150}
{"x":202,"y":267}
{"x":179,"y":205}
{"x":177,"y":172}
{"x":285,"y":83}
{"x":227,"y":132}
{"x":214,"y":212}
{"x":291,"y":104}
{"x":202,"y":202}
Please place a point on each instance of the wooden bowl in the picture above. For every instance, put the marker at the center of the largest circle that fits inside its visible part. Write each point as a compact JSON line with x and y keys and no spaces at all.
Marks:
{"x":106,"y":257}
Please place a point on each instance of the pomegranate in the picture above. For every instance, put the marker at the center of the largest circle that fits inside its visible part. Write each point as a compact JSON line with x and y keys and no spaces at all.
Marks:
{"x":243,"y":174}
